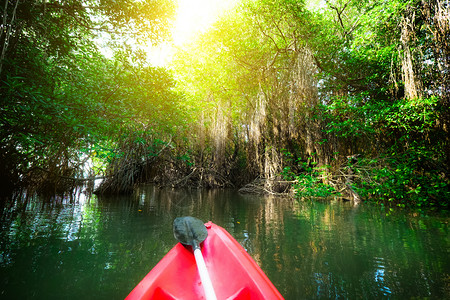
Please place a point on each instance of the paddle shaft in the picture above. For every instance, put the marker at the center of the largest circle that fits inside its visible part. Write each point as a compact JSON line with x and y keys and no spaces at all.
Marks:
{"x":192,"y":231}
{"x":204,"y":276}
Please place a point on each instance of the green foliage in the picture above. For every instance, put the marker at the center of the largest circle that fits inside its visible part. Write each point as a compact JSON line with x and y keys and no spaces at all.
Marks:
{"x":312,"y":182}
{"x":62,"y":102}
{"x":409,"y":115}
{"x":270,"y":75}
{"x":344,"y":117}
{"x":350,"y":116}
{"x":402,"y":181}
{"x":360,"y":66}
{"x":405,"y":134}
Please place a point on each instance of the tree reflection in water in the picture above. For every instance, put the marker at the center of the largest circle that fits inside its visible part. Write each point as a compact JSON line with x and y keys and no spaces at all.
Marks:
{"x":104,"y":246}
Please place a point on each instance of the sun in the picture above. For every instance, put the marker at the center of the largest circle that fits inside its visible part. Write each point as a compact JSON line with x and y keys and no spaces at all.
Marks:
{"x":196,"y":16}
{"x":193,"y":18}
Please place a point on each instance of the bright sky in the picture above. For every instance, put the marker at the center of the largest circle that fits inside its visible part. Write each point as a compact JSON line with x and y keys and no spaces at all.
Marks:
{"x":316,"y":4}
{"x":193,"y":18}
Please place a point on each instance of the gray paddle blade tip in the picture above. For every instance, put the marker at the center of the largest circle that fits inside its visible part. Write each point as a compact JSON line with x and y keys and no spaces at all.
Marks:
{"x":189,"y":231}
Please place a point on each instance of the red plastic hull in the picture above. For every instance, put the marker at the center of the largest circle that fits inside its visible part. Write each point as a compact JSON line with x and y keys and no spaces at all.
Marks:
{"x":234,"y":274}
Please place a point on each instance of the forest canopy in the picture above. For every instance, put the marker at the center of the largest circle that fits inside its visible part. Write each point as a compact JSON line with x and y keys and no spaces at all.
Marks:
{"x":347,"y":99}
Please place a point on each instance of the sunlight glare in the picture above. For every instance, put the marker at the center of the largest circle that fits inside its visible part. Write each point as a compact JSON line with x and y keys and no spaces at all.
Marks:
{"x":193,"y":18}
{"x":196,"y":16}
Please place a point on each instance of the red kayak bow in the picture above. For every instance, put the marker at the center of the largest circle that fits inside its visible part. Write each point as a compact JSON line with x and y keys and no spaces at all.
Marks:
{"x":234,"y":274}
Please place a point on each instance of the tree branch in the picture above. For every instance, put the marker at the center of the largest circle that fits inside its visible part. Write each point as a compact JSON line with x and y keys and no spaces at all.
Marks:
{"x":339,"y":14}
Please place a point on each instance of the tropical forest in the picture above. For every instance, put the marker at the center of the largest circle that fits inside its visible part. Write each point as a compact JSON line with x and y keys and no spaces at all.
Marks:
{"x":307,"y":98}
{"x":314,"y":132}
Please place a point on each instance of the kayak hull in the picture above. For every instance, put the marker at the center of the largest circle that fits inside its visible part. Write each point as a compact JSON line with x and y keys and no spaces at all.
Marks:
{"x":234,"y":274}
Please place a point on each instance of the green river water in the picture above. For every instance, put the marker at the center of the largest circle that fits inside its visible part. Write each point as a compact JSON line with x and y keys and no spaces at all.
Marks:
{"x":101,"y":247}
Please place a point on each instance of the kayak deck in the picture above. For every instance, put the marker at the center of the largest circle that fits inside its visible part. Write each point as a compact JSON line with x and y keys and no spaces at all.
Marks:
{"x":234,"y":274}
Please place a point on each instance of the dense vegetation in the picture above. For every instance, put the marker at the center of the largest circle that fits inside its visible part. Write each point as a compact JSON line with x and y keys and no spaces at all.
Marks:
{"x":350,"y":99}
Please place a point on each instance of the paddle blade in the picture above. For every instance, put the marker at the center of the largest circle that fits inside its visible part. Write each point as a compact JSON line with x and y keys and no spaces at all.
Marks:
{"x":189,"y":231}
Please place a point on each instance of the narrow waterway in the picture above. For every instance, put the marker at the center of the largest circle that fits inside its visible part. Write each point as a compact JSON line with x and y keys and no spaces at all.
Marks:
{"x":101,"y":247}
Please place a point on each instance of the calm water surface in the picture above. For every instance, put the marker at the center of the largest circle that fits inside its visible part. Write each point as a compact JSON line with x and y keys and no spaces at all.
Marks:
{"x":100,"y":248}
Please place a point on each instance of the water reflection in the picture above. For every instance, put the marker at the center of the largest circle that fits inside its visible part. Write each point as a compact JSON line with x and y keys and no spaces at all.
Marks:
{"x":104,"y":246}
{"x":379,"y":276}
